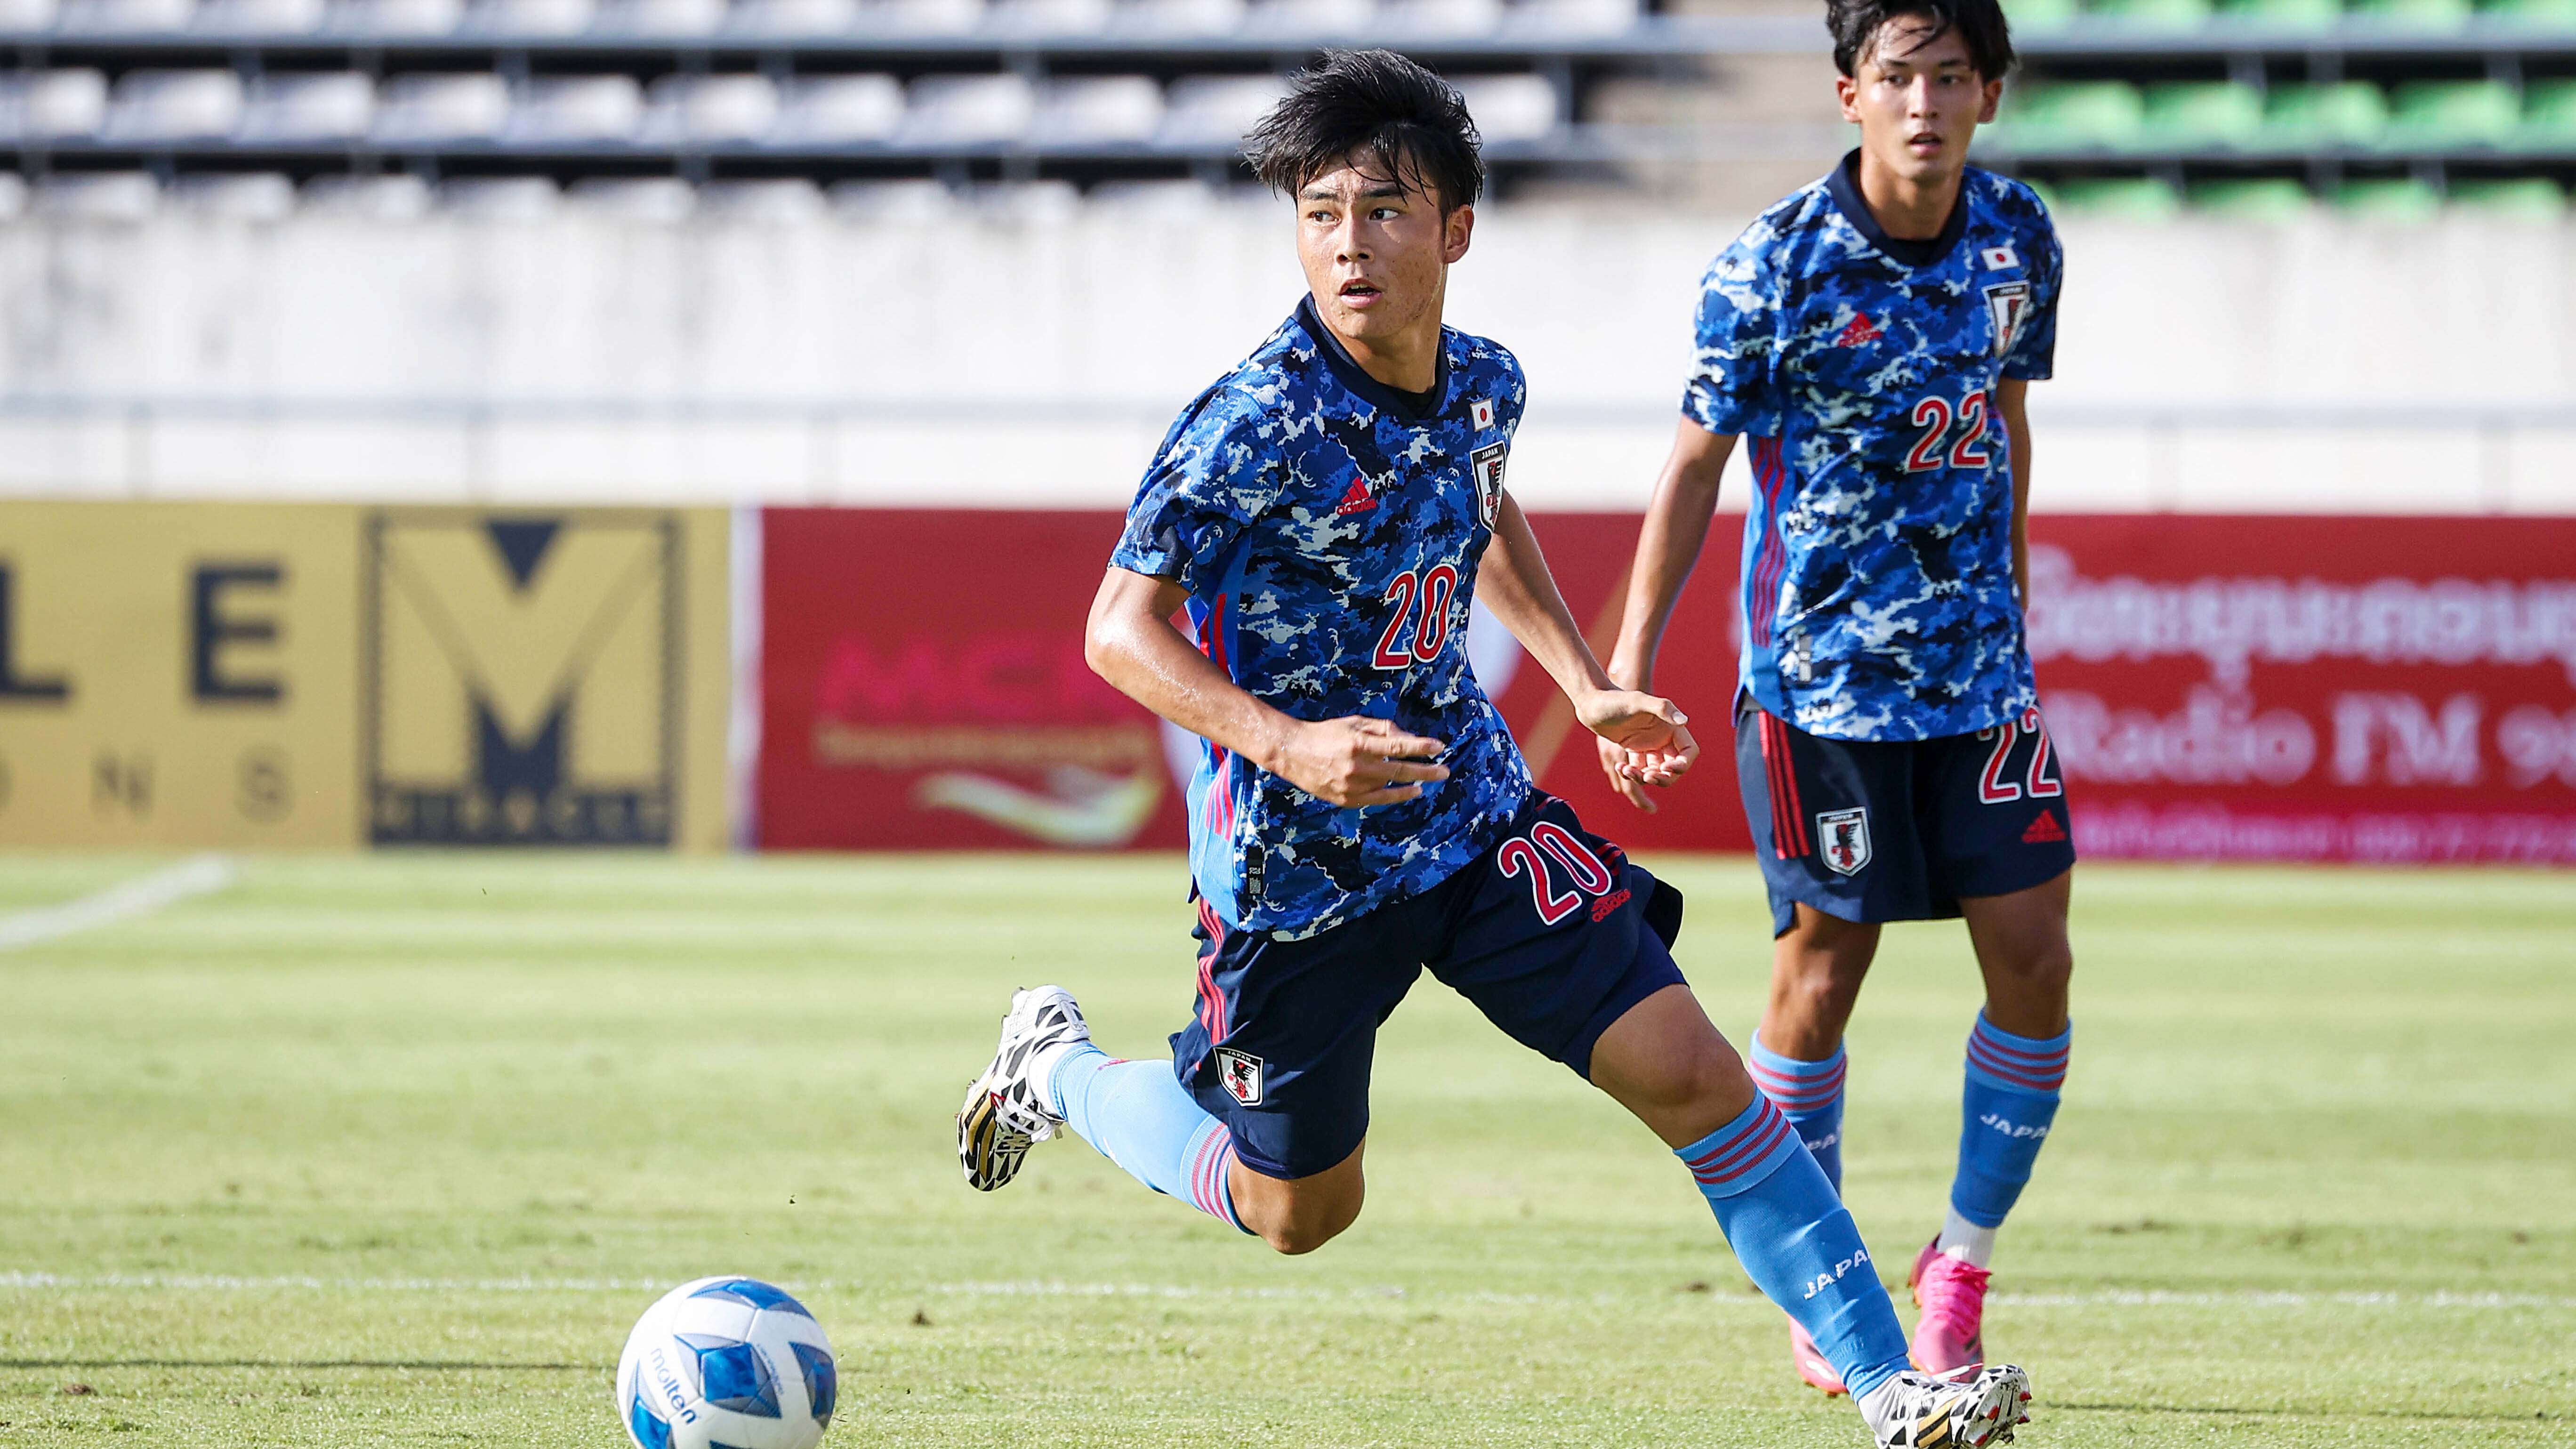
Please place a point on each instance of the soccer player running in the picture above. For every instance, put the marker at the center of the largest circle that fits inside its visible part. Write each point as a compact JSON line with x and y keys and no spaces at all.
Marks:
{"x":1325,"y":513}
{"x":1868,"y":334}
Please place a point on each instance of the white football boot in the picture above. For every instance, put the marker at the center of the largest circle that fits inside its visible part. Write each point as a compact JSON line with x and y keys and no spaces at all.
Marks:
{"x":1967,"y":1408}
{"x":1007,"y":1109}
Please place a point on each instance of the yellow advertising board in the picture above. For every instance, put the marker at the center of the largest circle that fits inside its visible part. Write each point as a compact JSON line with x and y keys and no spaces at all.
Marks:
{"x":292,"y":675}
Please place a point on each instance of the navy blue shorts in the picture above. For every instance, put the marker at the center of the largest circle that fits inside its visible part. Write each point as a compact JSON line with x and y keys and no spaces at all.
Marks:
{"x":1899,"y":830}
{"x":1553,"y":933}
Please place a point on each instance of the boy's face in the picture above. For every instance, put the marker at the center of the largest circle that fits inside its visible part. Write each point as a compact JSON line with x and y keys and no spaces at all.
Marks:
{"x":1376,"y":255}
{"x":1917,"y":102}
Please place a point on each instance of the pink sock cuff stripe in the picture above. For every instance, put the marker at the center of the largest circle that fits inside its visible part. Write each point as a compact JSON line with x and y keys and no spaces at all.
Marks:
{"x":2016,"y":1061}
{"x":1743,"y":1152}
{"x":1798,"y":1093}
{"x":1796,"y":1085}
{"x":1209,"y":1167}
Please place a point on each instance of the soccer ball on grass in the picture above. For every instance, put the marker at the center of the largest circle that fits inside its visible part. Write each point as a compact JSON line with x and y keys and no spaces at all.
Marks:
{"x":726,"y":1363}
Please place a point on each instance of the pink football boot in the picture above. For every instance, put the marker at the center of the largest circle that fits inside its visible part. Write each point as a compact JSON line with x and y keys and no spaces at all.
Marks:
{"x":1811,"y":1362}
{"x":1951,"y":1291}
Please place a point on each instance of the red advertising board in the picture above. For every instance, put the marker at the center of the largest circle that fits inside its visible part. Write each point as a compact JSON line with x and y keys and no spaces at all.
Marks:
{"x":2353,"y":689}
{"x":923,"y":688}
{"x":2370,"y":689}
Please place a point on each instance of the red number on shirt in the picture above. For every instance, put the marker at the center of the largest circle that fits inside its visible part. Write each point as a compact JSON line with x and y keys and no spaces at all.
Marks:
{"x":1391,"y":655}
{"x":1972,"y":418}
{"x":1433,"y":591}
{"x":1933,"y":416}
{"x":1438,"y":587}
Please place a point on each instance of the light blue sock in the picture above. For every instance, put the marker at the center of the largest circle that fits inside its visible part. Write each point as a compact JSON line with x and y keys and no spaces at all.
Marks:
{"x":1797,"y":1243}
{"x":1810,"y":1095}
{"x":2009,"y":1105}
{"x":1138,"y":1117}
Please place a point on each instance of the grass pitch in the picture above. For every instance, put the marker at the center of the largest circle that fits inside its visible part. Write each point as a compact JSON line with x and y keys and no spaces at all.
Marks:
{"x":391,"y":1150}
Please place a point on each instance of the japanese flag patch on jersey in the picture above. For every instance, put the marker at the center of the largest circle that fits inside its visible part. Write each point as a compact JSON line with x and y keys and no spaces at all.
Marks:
{"x":1487,"y":462}
{"x":1481,"y":413}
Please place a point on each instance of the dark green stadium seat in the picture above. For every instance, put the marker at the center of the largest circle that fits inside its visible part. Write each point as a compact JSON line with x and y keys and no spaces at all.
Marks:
{"x":2532,"y":197}
{"x":2453,"y":115}
{"x":2161,"y":14}
{"x":2549,"y":115}
{"x":2412,"y":14}
{"x":2556,"y":15}
{"x":2350,"y":114}
{"x":2265,"y":199}
{"x":2193,"y":115}
{"x":2283,"y":14}
{"x":2130,"y":198}
{"x":2406,"y":201}
{"x":2083,"y":115}
{"x":2028,"y":15}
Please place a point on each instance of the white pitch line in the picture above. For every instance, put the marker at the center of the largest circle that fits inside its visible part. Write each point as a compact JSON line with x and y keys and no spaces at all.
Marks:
{"x":134,"y":898}
{"x":225,"y":1283}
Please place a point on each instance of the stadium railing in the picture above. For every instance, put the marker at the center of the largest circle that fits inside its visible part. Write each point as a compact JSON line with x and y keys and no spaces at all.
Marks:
{"x":2129,"y":105}
{"x":2489,"y":458}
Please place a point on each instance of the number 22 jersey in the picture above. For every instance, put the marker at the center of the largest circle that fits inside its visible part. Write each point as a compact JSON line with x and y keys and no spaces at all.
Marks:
{"x":1861,"y":369}
{"x":1328,"y":528}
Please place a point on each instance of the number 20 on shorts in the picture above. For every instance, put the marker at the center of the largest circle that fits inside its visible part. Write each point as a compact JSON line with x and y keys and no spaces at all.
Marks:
{"x":1528,"y":855}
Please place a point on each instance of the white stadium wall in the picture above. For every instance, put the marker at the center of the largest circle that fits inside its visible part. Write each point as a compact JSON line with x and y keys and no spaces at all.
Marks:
{"x":1032,"y":354}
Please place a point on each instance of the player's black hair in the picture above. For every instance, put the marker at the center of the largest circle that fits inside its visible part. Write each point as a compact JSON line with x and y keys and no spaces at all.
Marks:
{"x":1411,"y":122}
{"x":1856,"y":23}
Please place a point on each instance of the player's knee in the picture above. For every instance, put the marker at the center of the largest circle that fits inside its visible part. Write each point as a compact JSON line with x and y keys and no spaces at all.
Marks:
{"x":1821,"y":991}
{"x":2045,"y":967}
{"x":1694,"y":1086}
{"x":1304,"y":1229}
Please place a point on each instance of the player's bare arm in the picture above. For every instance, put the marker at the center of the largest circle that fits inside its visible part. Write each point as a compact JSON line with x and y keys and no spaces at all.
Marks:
{"x":1668,"y":545}
{"x":1131,"y":643}
{"x":1643,"y":738}
{"x":2012,"y":397}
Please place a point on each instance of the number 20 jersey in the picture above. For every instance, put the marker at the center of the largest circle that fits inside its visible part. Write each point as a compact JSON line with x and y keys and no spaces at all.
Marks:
{"x":1861,"y":369}
{"x":1327,"y":529}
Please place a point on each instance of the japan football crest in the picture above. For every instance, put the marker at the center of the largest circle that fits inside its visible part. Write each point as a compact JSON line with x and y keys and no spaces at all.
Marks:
{"x":1241,"y":1074}
{"x":2008,"y":305}
{"x":1487,"y":462}
{"x":1844,"y":835}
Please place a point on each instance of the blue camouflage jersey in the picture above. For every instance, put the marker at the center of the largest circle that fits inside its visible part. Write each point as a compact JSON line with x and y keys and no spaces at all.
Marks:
{"x":1861,"y":368}
{"x":1327,"y":528}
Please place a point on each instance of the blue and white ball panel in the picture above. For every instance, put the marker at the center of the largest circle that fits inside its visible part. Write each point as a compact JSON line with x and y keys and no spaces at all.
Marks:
{"x":726,"y":1363}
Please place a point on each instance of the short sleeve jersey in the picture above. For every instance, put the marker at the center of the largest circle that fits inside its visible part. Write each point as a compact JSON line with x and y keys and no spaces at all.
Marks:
{"x":1327,"y":528}
{"x":1861,"y":368}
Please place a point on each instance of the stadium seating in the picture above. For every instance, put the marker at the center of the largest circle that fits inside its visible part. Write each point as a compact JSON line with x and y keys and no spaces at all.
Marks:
{"x":2188,"y":95}
{"x":2323,"y":117}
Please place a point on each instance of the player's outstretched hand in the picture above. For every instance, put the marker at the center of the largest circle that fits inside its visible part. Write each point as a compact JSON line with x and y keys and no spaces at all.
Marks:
{"x":1644,"y":740}
{"x":1358,"y":761}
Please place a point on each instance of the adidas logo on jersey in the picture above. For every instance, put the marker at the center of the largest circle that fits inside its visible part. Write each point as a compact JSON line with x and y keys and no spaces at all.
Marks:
{"x":2044,"y":831}
{"x":1860,"y":331}
{"x":1357,"y":500}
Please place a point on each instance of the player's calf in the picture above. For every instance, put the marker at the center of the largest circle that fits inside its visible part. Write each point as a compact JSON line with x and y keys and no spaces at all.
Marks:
{"x":1046,"y":1074}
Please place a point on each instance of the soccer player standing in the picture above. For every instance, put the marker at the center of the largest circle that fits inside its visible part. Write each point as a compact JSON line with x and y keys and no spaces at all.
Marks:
{"x":1325,"y":514}
{"x":1872,"y":336}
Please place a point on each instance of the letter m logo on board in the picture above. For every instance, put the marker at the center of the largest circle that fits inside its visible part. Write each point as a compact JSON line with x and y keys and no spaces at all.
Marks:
{"x":520,"y":681}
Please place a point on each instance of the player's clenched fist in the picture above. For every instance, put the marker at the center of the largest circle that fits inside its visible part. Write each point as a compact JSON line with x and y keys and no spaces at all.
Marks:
{"x":1356,"y":761}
